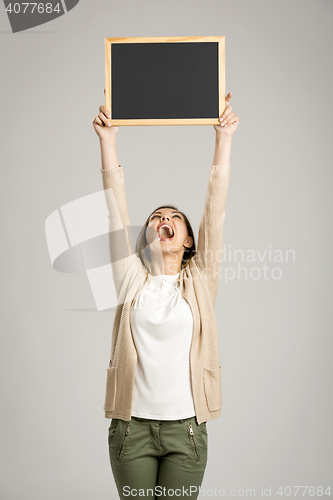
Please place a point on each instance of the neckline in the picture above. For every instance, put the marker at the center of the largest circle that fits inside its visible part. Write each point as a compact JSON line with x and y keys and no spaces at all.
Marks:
{"x":165,"y":276}
{"x":163,"y":285}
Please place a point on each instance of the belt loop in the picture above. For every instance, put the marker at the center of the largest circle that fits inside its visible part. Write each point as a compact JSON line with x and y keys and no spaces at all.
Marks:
{"x":181,"y":420}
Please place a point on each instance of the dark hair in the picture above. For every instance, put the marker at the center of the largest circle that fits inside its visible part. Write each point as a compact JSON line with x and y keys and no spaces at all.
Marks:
{"x":143,"y":250}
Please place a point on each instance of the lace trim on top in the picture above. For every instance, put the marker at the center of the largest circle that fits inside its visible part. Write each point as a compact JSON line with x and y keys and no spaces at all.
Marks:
{"x":164,"y":285}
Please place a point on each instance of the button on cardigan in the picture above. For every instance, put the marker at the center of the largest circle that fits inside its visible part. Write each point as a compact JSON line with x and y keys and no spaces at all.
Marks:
{"x":199,"y":282}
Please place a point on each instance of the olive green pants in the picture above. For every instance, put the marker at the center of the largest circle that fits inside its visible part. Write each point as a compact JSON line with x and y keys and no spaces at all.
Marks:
{"x":156,"y":459}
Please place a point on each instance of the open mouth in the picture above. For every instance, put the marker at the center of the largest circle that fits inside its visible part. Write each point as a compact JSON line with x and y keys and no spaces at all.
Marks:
{"x":165,"y":233}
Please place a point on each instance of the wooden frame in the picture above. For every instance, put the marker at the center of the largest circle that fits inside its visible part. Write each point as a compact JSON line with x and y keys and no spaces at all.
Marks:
{"x":192,"y":121}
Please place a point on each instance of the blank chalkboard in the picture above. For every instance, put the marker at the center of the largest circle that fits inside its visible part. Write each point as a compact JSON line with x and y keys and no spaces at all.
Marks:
{"x":165,"y":81}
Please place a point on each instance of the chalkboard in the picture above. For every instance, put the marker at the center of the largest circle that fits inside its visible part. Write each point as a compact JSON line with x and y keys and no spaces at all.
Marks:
{"x":165,"y":80}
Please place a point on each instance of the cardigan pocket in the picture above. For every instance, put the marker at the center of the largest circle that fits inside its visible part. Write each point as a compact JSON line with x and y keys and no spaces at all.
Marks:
{"x":111,"y":388}
{"x":212,"y":387}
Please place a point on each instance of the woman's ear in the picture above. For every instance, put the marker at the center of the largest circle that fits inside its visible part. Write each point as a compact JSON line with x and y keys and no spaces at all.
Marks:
{"x":188,"y":242}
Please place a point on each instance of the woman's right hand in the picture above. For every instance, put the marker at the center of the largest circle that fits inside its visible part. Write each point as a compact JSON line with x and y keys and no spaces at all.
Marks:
{"x":102,"y":126}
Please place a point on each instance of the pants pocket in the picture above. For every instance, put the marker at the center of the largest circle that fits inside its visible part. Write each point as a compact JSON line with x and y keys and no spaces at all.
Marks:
{"x":204,"y":434}
{"x":123,"y":441}
{"x":193,"y":440}
{"x":112,"y":428}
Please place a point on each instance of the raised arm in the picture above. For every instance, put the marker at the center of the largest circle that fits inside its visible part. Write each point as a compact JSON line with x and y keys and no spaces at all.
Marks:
{"x":121,"y":245}
{"x":210,"y":238}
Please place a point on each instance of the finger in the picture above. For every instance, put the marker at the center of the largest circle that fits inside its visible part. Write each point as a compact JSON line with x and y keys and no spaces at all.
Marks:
{"x":98,"y":121}
{"x":105,"y":110}
{"x":225,"y":113}
{"x":228,"y":119}
{"x":235,"y":120}
{"x":104,"y":119}
{"x":231,"y":121}
{"x":228,"y":96}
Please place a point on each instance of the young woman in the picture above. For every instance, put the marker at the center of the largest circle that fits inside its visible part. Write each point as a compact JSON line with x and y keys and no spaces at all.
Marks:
{"x":164,"y":376}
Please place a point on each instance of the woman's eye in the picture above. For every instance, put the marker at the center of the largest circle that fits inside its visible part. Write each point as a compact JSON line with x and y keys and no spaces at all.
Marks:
{"x":153,"y":217}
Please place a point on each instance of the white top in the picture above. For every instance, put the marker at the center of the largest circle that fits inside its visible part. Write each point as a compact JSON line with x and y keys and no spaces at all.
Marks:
{"x":162,"y":326}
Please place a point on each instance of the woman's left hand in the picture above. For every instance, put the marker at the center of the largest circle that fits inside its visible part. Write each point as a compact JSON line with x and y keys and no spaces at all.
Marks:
{"x":228,"y":120}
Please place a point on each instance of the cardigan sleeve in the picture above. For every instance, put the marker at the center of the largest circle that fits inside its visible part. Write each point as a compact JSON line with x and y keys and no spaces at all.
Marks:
{"x":210,"y":238}
{"x":121,"y":245}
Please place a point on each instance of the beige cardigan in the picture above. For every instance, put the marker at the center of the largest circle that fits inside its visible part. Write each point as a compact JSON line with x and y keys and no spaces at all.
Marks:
{"x":199,"y":282}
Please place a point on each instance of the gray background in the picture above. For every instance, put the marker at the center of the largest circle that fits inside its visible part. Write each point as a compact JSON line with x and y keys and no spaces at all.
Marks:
{"x":275,"y":334}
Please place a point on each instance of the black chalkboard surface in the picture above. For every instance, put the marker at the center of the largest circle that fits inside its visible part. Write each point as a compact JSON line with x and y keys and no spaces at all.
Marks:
{"x":165,"y":81}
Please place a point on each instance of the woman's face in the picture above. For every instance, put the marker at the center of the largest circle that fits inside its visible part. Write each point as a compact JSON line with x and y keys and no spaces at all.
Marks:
{"x":168,"y":227}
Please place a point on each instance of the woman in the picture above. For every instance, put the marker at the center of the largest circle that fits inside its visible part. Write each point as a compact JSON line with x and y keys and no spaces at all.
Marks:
{"x":164,"y":376}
